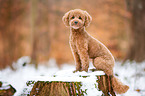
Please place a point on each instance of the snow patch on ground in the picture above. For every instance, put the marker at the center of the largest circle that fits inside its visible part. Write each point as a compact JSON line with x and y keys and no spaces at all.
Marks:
{"x":131,"y":74}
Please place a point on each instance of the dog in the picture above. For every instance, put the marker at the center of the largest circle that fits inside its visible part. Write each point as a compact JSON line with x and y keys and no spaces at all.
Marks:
{"x":85,"y":47}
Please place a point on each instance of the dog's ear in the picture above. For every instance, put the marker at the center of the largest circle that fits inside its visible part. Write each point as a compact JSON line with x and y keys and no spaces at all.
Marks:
{"x":88,"y":19}
{"x":65,"y":18}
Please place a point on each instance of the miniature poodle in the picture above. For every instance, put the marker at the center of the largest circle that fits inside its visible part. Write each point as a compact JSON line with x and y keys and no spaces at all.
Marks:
{"x":85,"y":47}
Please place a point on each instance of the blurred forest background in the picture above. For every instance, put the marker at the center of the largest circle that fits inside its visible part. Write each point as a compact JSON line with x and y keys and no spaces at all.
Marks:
{"x":34,"y":28}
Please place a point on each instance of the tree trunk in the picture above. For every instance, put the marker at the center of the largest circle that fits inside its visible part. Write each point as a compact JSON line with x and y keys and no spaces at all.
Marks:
{"x":136,"y":50}
{"x":34,"y":15}
{"x":10,"y":37}
{"x":40,"y":34}
{"x":60,"y":88}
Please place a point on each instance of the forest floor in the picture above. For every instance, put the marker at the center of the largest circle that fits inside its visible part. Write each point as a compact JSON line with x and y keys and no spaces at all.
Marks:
{"x":130,"y":73}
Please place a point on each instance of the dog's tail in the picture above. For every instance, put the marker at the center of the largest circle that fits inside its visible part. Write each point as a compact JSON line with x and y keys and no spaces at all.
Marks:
{"x":118,"y":86}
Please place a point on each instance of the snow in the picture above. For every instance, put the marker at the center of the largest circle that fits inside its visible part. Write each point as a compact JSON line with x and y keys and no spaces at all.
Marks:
{"x":67,"y":76}
{"x":4,"y":87}
{"x":88,"y":83}
{"x":132,"y":74}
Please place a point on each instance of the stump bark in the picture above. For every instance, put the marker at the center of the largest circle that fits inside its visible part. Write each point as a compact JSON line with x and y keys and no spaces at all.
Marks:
{"x":105,"y":85}
{"x":41,"y":88}
{"x":59,"y":88}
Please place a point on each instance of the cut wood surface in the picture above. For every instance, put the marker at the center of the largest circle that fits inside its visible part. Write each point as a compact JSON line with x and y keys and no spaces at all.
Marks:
{"x":70,"y":87}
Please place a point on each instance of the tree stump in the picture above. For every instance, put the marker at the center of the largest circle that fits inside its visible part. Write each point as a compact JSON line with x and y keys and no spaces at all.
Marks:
{"x":72,"y":88}
{"x":6,"y":90}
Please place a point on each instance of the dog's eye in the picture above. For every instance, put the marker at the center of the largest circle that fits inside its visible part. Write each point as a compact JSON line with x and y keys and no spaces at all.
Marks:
{"x":80,"y":17}
{"x":72,"y":17}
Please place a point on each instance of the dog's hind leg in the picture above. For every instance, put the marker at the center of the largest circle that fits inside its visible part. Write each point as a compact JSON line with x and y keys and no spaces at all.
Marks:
{"x":106,"y":65}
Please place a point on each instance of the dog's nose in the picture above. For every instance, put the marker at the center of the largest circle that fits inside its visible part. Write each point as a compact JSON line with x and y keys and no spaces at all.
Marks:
{"x":76,"y":22}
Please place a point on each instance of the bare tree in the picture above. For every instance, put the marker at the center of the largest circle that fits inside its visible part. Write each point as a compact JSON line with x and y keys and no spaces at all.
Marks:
{"x":136,"y":50}
{"x":9,"y":37}
{"x":15,"y":31}
{"x":40,"y":34}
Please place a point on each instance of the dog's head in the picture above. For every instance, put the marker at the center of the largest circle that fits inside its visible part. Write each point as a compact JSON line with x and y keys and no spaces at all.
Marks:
{"x":77,"y":18}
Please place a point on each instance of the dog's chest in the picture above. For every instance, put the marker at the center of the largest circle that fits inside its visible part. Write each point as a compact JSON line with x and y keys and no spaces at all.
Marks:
{"x":74,"y":40}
